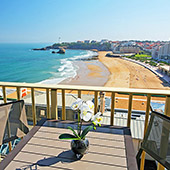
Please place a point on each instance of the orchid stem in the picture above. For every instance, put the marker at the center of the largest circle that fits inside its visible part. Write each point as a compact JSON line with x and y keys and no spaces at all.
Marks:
{"x":78,"y":130}
{"x":80,"y":125}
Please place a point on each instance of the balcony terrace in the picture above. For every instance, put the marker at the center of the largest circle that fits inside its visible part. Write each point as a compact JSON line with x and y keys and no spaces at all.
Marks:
{"x":55,"y":101}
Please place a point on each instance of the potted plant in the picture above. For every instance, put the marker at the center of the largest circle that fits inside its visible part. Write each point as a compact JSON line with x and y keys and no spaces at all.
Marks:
{"x":85,"y":112}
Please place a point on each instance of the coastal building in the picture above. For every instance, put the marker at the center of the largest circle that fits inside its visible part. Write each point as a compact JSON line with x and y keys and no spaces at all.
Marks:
{"x":93,"y":41}
{"x":104,"y":41}
{"x":148,"y":49}
{"x":164,"y":53}
{"x":129,"y":43}
{"x":87,"y":41}
{"x":129,"y":49}
{"x":80,"y":41}
{"x":115,"y":47}
{"x":125,"y":47}
{"x":155,"y":52}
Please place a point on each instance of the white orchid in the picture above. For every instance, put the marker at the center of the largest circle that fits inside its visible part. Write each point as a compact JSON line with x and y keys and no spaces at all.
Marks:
{"x":86,"y":108}
{"x":86,"y":113}
{"x":96,"y":119}
{"x":77,"y":104}
{"x":90,"y":105}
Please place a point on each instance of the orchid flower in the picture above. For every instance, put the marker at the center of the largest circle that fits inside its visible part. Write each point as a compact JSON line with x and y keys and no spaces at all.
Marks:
{"x":90,"y":105}
{"x":86,"y":113}
{"x":77,"y":104}
{"x":96,"y":119}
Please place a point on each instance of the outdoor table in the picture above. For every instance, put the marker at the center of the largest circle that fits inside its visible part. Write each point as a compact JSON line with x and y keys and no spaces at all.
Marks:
{"x":110,"y":148}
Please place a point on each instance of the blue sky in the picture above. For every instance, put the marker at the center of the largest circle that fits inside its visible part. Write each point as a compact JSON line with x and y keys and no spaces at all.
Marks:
{"x":72,"y":20}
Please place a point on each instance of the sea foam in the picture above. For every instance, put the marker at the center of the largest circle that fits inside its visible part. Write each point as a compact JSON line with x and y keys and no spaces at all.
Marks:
{"x":67,"y":68}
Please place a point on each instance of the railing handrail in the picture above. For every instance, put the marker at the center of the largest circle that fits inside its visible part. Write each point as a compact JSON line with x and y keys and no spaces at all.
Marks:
{"x":87,"y":88}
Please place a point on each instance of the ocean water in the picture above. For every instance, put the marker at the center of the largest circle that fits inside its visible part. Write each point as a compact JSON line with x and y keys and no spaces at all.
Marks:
{"x":19,"y":63}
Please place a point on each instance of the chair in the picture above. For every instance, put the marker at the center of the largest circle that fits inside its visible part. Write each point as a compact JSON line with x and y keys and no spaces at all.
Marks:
{"x":156,"y":141}
{"x":13,"y":121}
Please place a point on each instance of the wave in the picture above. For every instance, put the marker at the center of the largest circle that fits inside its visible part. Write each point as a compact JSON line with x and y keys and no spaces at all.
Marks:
{"x":67,"y":68}
{"x":89,"y":54}
{"x":65,"y":63}
{"x":52,"y":81}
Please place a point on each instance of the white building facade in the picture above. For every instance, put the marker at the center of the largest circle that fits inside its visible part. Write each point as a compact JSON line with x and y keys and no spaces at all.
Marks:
{"x":164,"y":53}
{"x":155,"y":52}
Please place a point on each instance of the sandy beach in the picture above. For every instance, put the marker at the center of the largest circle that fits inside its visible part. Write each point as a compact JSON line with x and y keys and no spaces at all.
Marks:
{"x":114,"y":72}
{"x":127,"y":74}
{"x":91,"y":72}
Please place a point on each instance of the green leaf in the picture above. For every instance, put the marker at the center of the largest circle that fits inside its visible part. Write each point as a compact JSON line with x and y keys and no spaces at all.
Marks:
{"x":66,"y":136}
{"x":74,"y":132}
{"x":85,"y":131}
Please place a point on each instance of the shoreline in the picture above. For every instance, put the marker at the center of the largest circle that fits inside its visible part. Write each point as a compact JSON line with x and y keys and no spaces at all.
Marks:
{"x":90,"y":73}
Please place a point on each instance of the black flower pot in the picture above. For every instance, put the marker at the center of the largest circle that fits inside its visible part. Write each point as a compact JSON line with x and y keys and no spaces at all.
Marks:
{"x":80,"y":147}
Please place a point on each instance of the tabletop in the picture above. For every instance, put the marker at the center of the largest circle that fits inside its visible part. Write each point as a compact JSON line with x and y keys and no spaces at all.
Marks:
{"x":110,"y":148}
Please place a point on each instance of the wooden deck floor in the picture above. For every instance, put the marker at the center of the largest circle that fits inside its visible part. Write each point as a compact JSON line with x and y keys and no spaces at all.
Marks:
{"x":45,"y":151}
